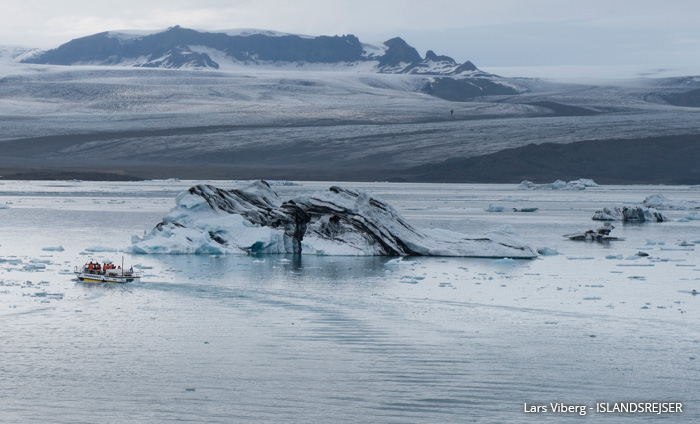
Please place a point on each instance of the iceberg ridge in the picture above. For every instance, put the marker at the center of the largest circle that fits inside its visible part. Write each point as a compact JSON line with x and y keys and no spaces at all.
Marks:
{"x":339,"y":221}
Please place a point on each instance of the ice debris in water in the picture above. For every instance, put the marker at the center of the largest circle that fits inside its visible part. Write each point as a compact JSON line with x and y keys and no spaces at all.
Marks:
{"x":693,"y":216}
{"x":96,"y":249}
{"x":53,"y":249}
{"x":505,"y":261}
{"x":254,"y":219}
{"x":601,"y":234}
{"x":659,"y":201}
{"x":495,"y":208}
{"x":546,"y":251}
{"x":580,"y":184}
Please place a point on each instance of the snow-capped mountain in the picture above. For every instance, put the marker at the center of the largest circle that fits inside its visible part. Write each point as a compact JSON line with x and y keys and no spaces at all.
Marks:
{"x":179,"y":47}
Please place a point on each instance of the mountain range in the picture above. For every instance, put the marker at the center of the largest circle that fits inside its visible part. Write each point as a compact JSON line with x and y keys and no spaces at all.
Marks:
{"x":178,"y":48}
{"x":244,"y":104}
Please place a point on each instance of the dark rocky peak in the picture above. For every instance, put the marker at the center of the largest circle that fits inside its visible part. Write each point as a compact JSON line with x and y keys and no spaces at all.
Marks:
{"x":466,"y":67}
{"x":399,"y":52}
{"x":431,"y":56}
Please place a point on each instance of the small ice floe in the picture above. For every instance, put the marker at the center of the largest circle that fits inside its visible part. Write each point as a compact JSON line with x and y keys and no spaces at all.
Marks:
{"x":523,"y":209}
{"x":11,"y":260}
{"x":259,"y":261}
{"x":505,"y":261}
{"x":546,"y":251}
{"x":284,"y":260}
{"x":495,"y":208}
{"x":53,"y":249}
{"x":580,"y":184}
{"x":693,"y":216}
{"x":96,"y":249}
{"x":600,"y":235}
{"x":400,"y":262}
{"x":660,"y":202}
{"x":282,"y":183}
{"x":40,"y":261}
{"x":408,"y":280}
{"x":614,"y":257}
{"x":4,"y":206}
{"x":140,"y":266}
{"x":629,"y":214}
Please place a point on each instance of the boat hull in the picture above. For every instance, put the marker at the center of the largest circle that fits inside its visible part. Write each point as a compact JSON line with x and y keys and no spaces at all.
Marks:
{"x":93,"y":278}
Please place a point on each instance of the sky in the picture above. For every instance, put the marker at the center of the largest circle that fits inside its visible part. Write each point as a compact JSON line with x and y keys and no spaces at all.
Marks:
{"x":490,"y":33}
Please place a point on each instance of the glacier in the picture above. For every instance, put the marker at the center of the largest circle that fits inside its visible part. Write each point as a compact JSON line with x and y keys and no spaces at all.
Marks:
{"x":343,"y":222}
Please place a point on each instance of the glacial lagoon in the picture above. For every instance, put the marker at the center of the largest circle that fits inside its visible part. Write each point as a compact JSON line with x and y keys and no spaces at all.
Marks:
{"x":284,"y":338}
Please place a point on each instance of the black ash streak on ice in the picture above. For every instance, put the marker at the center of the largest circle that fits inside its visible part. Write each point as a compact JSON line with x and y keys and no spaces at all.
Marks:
{"x":334,"y":222}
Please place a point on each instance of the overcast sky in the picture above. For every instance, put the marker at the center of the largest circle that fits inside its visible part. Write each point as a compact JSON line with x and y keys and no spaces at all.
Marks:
{"x":487,"y":32}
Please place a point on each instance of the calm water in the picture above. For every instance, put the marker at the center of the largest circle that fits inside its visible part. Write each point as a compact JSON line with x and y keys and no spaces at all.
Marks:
{"x":336,"y":339}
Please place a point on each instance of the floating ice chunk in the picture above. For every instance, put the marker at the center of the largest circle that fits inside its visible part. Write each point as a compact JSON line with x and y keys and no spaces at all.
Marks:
{"x":614,"y":257}
{"x":527,"y":185}
{"x":53,"y":249}
{"x":96,"y":249}
{"x":40,"y":261}
{"x":580,"y":184}
{"x":546,"y":251}
{"x":400,"y":262}
{"x":586,"y":182}
{"x":658,"y":201}
{"x":284,"y":183}
{"x":599,"y":235}
{"x":693,"y":216}
{"x":504,"y":261}
{"x":495,"y":208}
{"x":4,"y":206}
{"x":629,"y":214}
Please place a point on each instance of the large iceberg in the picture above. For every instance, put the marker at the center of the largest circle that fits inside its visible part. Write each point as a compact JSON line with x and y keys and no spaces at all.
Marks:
{"x":254,"y":219}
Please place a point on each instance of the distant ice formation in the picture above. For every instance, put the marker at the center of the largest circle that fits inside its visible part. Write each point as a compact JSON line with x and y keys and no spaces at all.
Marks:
{"x":629,"y":214}
{"x":579,"y":184}
{"x":659,"y":201}
{"x":338,"y":221}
